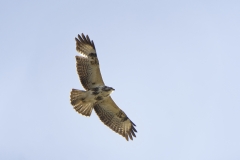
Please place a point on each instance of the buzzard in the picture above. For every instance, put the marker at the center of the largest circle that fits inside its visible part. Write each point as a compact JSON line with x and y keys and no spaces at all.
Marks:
{"x":97,"y":94}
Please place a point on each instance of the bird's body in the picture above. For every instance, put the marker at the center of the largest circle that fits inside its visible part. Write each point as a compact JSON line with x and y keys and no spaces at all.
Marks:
{"x":97,"y":94}
{"x":84,"y":101}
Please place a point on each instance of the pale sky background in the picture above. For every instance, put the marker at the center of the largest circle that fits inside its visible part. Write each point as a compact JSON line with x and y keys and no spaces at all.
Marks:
{"x":175,"y":66}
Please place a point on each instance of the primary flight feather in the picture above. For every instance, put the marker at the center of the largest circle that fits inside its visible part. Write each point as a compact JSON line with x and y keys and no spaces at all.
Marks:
{"x":97,"y":94}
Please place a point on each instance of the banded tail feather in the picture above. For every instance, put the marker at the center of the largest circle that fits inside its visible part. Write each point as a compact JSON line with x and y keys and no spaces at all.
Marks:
{"x":77,"y":98}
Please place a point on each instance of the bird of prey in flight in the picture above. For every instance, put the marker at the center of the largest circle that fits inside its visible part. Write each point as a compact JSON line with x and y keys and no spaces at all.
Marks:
{"x":97,"y":94}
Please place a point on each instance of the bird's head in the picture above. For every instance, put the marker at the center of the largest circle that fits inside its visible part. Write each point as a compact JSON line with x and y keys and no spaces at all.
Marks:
{"x":107,"y":89}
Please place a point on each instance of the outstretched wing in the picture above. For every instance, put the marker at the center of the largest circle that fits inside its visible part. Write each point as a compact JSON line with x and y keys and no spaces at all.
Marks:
{"x":88,"y":64}
{"x":115,"y":118}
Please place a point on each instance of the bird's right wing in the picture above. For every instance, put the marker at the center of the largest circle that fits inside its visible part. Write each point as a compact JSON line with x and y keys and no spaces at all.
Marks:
{"x":88,"y":65}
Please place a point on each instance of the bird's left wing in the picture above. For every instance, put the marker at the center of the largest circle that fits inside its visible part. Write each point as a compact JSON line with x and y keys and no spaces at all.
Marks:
{"x":88,"y":65}
{"x":112,"y":116}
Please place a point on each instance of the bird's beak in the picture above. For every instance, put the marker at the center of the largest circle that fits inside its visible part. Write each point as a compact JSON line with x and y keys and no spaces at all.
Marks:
{"x":113,"y":89}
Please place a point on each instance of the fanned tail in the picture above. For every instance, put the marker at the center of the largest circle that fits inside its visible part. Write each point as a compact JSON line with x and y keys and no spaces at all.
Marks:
{"x":77,"y":98}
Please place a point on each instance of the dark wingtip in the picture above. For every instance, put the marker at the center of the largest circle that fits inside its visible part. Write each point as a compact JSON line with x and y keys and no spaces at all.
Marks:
{"x":134,"y":129}
{"x":130,"y":135}
{"x":76,"y":39}
{"x":93,"y":45}
{"x":85,"y":40}
{"x":126,"y":136}
{"x":83,"y":36}
{"x":133,"y":133}
{"x":88,"y":39}
{"x":132,"y":123}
